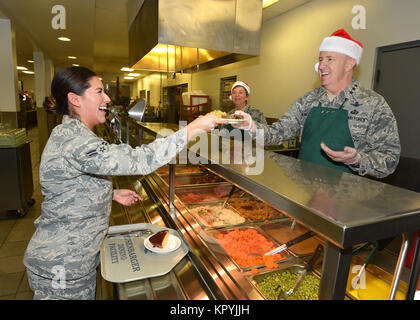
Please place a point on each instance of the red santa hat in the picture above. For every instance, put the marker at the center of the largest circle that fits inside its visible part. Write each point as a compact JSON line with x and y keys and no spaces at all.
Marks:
{"x":341,"y":42}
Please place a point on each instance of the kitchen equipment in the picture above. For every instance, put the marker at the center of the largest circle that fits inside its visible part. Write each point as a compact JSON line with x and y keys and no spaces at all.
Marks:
{"x":290,"y":243}
{"x":308,"y":268}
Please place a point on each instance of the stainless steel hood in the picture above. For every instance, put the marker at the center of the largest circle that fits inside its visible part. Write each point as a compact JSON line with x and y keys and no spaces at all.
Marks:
{"x":186,"y":35}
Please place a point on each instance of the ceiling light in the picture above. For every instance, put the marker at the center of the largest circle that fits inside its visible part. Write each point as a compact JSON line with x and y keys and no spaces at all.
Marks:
{"x":129,"y":78}
{"x":64,"y":39}
{"x":21,"y":68}
{"x":28,"y":72}
{"x":133,"y":74}
{"x":72,"y":57}
{"x":76,"y":65}
{"x":30,"y":61}
{"x":126,"y":69}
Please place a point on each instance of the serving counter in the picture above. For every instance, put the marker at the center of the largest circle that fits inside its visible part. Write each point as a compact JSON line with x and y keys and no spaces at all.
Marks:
{"x":342,"y":210}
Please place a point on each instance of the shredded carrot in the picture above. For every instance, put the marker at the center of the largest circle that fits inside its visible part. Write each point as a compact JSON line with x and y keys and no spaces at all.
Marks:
{"x":247,"y":248}
{"x":255,"y":270}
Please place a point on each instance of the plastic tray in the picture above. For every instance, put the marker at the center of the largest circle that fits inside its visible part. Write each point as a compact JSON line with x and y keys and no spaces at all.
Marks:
{"x":125,"y":258}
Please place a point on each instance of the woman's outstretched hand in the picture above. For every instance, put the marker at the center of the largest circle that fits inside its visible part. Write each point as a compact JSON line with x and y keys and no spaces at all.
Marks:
{"x":203,"y":124}
{"x":125,"y":197}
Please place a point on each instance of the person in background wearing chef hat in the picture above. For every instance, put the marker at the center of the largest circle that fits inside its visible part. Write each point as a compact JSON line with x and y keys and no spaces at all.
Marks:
{"x":343,"y":125}
{"x":240,"y":92}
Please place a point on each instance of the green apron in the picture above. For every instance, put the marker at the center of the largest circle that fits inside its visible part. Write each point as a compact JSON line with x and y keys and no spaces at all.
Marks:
{"x":330,"y":126}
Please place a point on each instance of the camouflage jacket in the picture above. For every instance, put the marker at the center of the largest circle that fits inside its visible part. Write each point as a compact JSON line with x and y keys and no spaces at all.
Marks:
{"x":74,"y":175}
{"x":372,"y":125}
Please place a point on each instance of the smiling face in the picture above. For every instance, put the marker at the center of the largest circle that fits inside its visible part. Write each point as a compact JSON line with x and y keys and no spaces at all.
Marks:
{"x":91,"y":105}
{"x":239,"y":97}
{"x":335,"y":71}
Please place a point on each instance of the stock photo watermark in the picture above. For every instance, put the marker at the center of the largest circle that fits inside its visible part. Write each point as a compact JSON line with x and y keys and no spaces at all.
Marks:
{"x":359,"y":20}
{"x":223,"y":147}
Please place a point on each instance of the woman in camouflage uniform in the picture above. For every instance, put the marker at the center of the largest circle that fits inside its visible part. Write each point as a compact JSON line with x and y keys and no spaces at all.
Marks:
{"x":63,"y":254}
{"x":240,"y":92}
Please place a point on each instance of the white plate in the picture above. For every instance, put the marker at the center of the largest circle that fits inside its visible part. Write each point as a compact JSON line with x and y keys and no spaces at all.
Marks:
{"x":232,"y":121}
{"x":173,"y":243}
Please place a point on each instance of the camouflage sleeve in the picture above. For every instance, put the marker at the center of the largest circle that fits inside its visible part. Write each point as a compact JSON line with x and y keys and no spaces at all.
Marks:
{"x":381,"y":152}
{"x":257,"y":115}
{"x":95,"y":156}
{"x":287,"y":127}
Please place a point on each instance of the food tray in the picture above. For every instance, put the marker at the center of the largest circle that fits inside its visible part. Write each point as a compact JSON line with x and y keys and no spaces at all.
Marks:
{"x":284,"y":278}
{"x":125,"y":258}
{"x":192,"y":179}
{"x":375,"y":285}
{"x":245,"y":247}
{"x":283,"y":231}
{"x":212,"y":210}
{"x":198,"y":194}
{"x":255,"y":210}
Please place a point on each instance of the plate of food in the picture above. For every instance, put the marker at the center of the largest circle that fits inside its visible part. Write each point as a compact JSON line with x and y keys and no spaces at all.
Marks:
{"x":162,"y":242}
{"x":234,"y":118}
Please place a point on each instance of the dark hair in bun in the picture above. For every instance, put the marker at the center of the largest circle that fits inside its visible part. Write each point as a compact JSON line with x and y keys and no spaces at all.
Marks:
{"x":72,"y":79}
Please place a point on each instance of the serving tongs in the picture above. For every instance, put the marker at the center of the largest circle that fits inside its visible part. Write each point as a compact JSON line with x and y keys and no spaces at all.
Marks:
{"x":290,"y":243}
{"x":229,"y":196}
{"x":308,"y":268}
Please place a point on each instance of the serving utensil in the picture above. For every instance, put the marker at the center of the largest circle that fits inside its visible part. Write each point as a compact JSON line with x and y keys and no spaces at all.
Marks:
{"x":284,"y":294}
{"x":229,"y":196}
{"x":291,"y":243}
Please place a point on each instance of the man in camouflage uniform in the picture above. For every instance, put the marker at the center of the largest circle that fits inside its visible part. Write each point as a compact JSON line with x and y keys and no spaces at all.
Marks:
{"x":364,"y":141}
{"x":74,"y":172}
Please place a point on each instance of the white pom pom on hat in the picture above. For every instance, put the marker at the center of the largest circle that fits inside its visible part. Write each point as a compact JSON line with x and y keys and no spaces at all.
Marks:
{"x":341,"y":42}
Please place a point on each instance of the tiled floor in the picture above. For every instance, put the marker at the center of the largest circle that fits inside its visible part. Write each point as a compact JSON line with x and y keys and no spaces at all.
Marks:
{"x":15,"y":234}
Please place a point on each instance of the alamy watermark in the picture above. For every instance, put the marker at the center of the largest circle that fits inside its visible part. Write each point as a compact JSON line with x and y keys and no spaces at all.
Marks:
{"x":359,"y":20}
{"x":223,"y":147}
{"x":59,"y":20}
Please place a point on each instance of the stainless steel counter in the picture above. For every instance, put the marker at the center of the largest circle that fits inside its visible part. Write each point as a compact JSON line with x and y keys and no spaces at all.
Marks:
{"x":343,"y":209}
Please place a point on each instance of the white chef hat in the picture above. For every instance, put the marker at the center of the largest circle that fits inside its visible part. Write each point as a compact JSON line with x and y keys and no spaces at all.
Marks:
{"x":240,"y":84}
{"x":341,"y":42}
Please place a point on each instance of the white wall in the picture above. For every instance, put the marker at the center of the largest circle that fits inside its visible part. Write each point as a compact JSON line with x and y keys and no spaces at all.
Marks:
{"x":284,"y":71}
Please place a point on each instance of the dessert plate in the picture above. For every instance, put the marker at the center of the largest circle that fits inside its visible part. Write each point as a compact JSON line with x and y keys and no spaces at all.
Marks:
{"x":232,"y":121}
{"x":173,"y":243}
